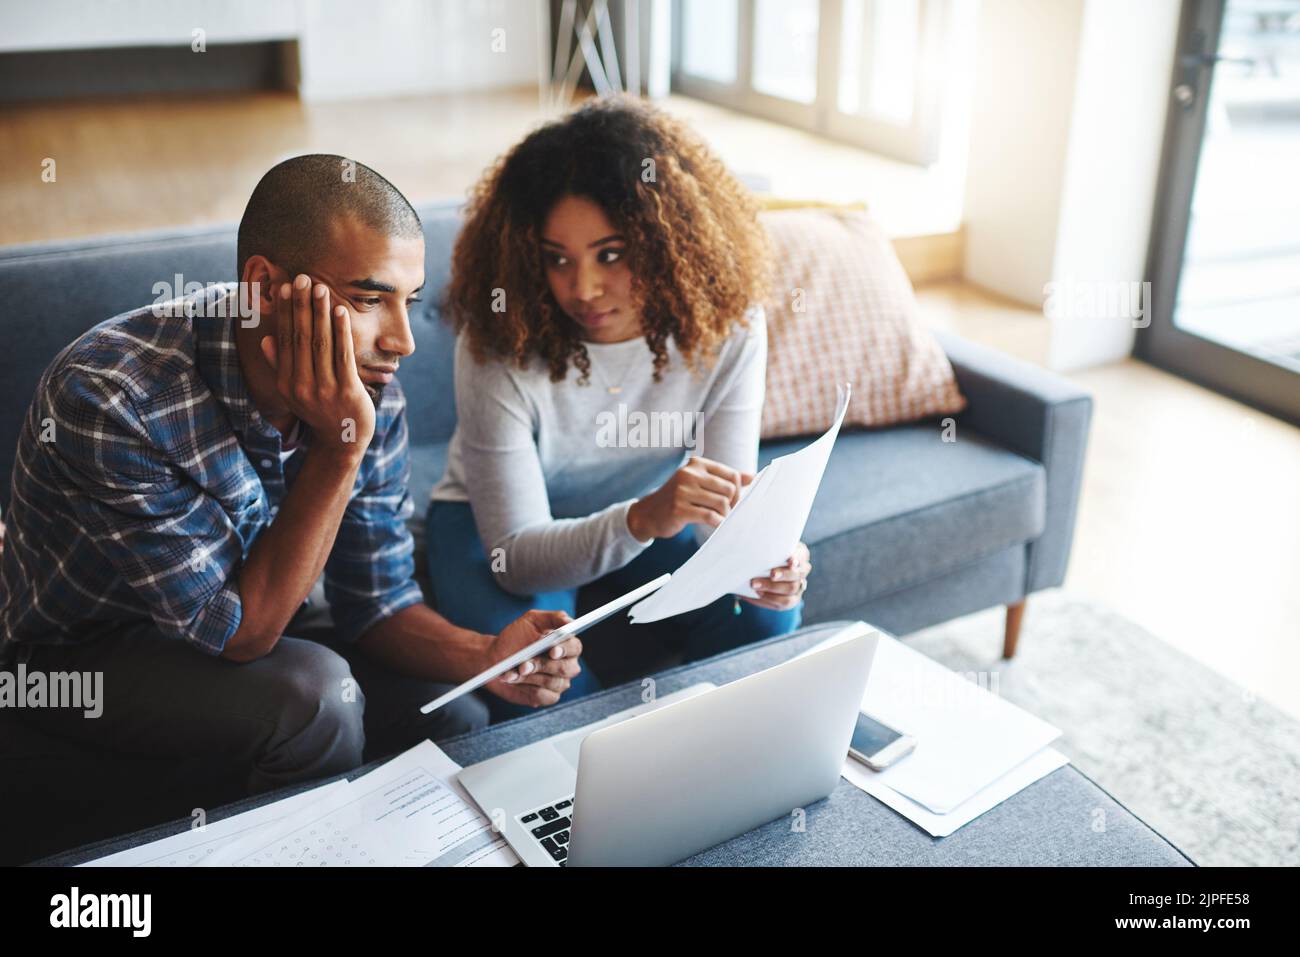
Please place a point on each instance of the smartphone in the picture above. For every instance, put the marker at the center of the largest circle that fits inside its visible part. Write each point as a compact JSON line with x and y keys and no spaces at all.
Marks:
{"x":877,"y":745}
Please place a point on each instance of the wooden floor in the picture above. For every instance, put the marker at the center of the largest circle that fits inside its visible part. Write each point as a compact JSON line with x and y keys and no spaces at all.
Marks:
{"x":156,"y":162}
{"x":1190,"y":518}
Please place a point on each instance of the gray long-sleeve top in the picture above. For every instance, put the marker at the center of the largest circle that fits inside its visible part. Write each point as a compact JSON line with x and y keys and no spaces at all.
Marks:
{"x":551,"y":468}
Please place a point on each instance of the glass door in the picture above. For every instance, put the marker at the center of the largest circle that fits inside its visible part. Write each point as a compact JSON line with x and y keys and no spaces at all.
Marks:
{"x":1225,"y":259}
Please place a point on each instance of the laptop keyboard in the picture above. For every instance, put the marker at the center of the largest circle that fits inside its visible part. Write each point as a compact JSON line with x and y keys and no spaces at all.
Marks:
{"x":549,"y":826}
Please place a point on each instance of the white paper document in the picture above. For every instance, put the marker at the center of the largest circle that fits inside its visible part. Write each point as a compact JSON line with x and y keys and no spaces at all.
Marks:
{"x":967,"y":737}
{"x":406,"y":813}
{"x":193,"y":847}
{"x":941,"y":825}
{"x":759,"y":534}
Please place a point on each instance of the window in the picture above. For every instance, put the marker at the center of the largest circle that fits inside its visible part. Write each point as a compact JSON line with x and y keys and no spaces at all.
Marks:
{"x":868,"y":72}
{"x":709,"y":40}
{"x":785,"y":49}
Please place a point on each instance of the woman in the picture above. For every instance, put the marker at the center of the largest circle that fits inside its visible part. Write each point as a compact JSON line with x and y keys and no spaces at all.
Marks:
{"x":609,"y":379}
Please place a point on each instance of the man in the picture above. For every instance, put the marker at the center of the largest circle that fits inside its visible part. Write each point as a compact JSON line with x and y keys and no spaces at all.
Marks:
{"x":183,"y":480}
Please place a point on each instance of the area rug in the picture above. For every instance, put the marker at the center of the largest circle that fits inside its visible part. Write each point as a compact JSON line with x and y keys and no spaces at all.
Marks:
{"x":1200,"y":759}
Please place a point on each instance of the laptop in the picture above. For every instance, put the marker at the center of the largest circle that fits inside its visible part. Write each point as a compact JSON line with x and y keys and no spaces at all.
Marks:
{"x":657,"y":783}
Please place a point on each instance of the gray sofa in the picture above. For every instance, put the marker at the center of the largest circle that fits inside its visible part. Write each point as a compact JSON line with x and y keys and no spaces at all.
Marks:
{"x":907,"y":530}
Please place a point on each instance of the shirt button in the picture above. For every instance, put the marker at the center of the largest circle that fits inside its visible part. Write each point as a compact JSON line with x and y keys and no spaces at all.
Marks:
{"x":266,"y":463}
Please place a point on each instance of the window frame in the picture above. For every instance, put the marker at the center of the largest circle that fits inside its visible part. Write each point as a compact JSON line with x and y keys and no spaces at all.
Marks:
{"x":916,"y":141}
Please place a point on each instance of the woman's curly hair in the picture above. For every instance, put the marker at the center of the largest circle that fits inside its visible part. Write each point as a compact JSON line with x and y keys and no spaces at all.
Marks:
{"x":698,"y":255}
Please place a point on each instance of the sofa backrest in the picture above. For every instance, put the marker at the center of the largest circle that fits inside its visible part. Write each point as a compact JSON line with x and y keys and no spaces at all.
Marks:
{"x":53,"y":292}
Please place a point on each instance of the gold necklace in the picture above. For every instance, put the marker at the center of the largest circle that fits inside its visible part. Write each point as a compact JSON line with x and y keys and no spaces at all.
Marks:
{"x":616,"y":389}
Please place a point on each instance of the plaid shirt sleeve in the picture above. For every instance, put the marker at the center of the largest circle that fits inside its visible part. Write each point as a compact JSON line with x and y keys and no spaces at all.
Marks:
{"x":369,"y":575}
{"x":170,"y":541}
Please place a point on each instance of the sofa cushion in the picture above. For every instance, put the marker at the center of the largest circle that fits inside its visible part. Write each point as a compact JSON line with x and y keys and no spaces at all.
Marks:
{"x":899,"y":506}
{"x":842,"y":310}
{"x":428,"y":459}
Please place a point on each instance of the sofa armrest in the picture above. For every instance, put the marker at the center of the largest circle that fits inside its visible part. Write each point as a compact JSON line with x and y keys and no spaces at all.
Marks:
{"x":1039,"y":415}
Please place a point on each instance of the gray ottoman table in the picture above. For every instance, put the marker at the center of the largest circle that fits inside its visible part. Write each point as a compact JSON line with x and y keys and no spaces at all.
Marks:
{"x":1051,"y":822}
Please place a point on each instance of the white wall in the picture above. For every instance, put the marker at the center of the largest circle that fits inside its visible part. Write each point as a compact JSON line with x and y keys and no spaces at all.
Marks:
{"x":1112,"y":168}
{"x":1025,"y":65}
{"x":77,"y":25}
{"x":1066,"y":135}
{"x":396,"y":47}
{"x":348,"y":50}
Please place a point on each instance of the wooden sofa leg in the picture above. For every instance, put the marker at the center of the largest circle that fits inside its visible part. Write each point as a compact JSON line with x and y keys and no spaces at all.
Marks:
{"x":1015,"y":614}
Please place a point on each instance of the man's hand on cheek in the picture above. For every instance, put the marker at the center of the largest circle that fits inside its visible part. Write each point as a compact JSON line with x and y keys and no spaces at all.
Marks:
{"x":315,"y":365}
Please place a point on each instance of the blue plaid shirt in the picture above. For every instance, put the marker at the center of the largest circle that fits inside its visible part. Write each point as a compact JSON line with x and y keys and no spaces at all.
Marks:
{"x":144,"y":474}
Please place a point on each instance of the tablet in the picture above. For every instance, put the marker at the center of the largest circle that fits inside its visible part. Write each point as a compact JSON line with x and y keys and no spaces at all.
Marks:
{"x":547,"y":642}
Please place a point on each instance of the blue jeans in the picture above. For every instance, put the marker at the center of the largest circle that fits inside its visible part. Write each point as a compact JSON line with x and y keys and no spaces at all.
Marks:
{"x":467,"y":594}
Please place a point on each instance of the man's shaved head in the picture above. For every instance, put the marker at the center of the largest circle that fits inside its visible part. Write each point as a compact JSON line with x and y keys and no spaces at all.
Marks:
{"x":289,"y":215}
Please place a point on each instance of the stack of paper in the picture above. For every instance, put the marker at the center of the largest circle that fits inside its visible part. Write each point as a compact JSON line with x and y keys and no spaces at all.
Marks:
{"x":409,"y":812}
{"x":941,"y":825}
{"x":193,"y":847}
{"x":974,"y":749}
